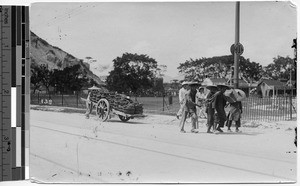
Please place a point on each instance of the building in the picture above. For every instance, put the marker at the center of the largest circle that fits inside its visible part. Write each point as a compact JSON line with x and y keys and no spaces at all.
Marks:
{"x":271,"y":88}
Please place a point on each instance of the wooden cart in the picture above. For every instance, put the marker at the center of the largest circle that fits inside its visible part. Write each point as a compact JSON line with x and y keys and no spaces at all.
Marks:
{"x":104,"y":107}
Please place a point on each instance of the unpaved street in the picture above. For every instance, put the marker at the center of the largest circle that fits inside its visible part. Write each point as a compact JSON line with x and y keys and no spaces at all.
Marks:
{"x":67,"y":147}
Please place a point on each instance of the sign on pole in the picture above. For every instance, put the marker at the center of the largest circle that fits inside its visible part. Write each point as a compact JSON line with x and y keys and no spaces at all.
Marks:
{"x":237,"y":49}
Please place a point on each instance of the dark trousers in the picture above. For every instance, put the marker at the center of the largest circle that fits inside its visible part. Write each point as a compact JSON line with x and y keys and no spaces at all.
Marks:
{"x":218,"y":121}
{"x":210,"y":118}
{"x":237,"y":123}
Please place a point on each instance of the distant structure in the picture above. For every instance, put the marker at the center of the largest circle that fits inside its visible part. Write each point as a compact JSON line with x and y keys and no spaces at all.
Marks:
{"x":89,"y":60}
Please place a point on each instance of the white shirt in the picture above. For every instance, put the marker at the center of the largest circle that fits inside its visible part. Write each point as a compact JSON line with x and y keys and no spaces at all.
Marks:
{"x":182,"y":93}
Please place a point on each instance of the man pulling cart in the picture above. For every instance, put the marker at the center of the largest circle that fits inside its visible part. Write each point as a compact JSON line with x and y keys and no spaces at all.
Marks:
{"x":107,"y":103}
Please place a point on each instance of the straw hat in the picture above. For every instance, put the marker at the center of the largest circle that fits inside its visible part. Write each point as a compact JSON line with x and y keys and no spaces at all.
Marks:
{"x":94,"y":88}
{"x":194,"y":83}
{"x":224,"y":86}
{"x":184,"y":83}
{"x":212,"y":87}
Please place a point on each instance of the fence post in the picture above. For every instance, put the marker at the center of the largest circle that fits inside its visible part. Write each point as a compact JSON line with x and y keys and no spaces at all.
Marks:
{"x":77,"y":98}
{"x":62,"y":99}
{"x":38,"y":98}
{"x":291,"y":105}
{"x":163,"y":102}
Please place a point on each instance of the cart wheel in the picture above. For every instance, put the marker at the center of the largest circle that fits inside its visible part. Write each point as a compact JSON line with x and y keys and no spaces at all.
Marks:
{"x":123,"y":118}
{"x":102,"y":109}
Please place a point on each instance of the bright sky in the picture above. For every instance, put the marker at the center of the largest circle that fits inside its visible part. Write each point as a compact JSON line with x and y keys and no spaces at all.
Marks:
{"x":171,"y":33}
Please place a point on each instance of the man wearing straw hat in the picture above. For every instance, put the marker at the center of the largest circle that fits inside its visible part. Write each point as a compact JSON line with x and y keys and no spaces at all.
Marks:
{"x":89,"y":103}
{"x":185,"y":89}
{"x":194,"y":86}
{"x":209,"y":109}
{"x":234,"y":97}
{"x":218,"y":104}
{"x":189,"y":109}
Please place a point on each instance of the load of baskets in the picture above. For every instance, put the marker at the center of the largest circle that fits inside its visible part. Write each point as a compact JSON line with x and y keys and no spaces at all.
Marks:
{"x":119,"y":102}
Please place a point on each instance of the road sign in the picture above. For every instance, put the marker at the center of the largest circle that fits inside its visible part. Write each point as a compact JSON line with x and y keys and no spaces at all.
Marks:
{"x":237,"y":49}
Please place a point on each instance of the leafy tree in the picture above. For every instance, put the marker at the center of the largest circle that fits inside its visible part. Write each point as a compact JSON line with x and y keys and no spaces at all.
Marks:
{"x":218,"y":67}
{"x":158,"y":85}
{"x":35,"y":78}
{"x":132,"y":72}
{"x":69,"y":79}
{"x":45,"y":75}
{"x":57,"y":80}
{"x":75,"y":78}
{"x":250,"y":70}
{"x":280,"y":68}
{"x":160,"y":71}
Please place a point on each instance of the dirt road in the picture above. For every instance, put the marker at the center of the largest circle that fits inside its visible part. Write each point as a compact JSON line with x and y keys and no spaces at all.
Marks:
{"x":69,"y":148}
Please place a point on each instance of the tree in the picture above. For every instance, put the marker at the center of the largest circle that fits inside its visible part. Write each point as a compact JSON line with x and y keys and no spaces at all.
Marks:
{"x":75,"y":77}
{"x":218,"y":67}
{"x":132,"y":72}
{"x":58,"y":80}
{"x":35,"y":78}
{"x":160,"y":71}
{"x":46,"y":76}
{"x":158,"y":85}
{"x":69,"y":79}
{"x":280,"y":68}
{"x":251,"y":70}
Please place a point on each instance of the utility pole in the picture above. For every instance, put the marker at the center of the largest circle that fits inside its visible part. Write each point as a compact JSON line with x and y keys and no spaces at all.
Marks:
{"x":237,"y":41}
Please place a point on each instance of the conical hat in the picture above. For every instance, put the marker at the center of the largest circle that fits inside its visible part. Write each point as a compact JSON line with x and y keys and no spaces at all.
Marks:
{"x":221,"y":86}
{"x":185,"y":83}
{"x":94,"y":88}
{"x":212,"y":87}
{"x":194,"y":83}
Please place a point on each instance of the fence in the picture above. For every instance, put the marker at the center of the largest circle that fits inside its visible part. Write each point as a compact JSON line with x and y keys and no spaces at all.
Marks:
{"x":58,"y":100}
{"x":269,"y":109}
{"x":263,"y":109}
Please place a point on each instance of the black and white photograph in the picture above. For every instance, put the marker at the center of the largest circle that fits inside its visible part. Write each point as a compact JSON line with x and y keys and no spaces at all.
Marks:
{"x":163,"y":92}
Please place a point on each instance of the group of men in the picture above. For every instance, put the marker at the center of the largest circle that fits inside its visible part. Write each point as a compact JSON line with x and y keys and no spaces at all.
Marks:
{"x":214,"y":103}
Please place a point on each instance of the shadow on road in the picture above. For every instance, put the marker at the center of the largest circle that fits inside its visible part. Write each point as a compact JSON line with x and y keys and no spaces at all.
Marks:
{"x":239,"y":133}
{"x":127,"y":122}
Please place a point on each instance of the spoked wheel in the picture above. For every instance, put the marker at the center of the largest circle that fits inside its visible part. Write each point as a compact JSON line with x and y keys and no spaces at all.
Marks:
{"x":102,"y":109}
{"x":123,"y":118}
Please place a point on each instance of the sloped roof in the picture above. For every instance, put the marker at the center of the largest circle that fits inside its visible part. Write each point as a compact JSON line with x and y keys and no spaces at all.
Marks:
{"x":271,"y":82}
{"x":242,"y":83}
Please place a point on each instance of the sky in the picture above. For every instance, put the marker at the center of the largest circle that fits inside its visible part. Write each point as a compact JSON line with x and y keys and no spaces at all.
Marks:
{"x":169,"y":32}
